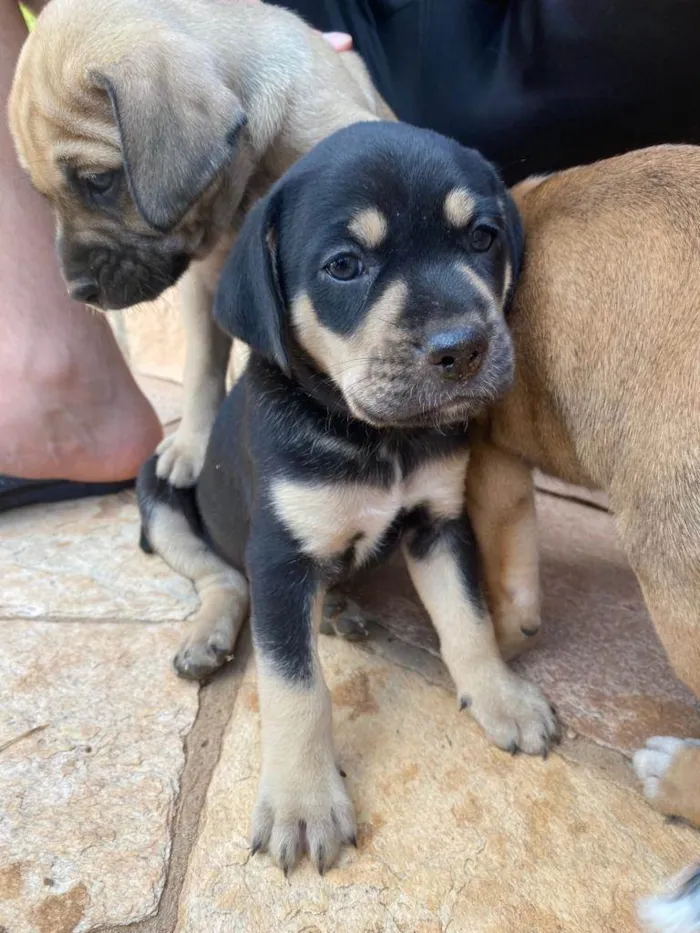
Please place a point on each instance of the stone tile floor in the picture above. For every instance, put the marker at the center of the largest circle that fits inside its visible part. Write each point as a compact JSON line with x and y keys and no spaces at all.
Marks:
{"x":125,"y":793}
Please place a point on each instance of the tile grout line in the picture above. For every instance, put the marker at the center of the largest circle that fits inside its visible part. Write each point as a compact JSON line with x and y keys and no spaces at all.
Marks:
{"x":203,"y":747}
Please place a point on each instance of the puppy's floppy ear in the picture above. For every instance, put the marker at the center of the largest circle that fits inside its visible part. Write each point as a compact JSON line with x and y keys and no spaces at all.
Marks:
{"x":250,"y":303}
{"x":178,"y":123}
{"x":516,"y":240}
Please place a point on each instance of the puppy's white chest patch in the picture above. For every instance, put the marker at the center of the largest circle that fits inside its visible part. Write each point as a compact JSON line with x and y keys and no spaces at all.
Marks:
{"x":326,"y":518}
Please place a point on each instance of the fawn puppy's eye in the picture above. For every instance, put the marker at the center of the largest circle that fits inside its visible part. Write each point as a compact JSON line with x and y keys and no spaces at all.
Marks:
{"x":100,"y":181}
{"x":102,"y":187}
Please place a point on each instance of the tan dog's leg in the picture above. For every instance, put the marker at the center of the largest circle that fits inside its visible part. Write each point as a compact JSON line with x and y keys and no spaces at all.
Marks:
{"x":673,"y":601}
{"x":223,"y":592}
{"x":514,"y":713}
{"x":302,"y":797}
{"x":501,"y":506}
{"x":661,"y":537}
{"x":669,"y":770}
{"x":207,"y":349}
{"x":666,"y":557}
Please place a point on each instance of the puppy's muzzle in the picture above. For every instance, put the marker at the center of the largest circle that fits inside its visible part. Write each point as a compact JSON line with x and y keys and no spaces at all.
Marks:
{"x":456,"y":354}
{"x":109,"y":281}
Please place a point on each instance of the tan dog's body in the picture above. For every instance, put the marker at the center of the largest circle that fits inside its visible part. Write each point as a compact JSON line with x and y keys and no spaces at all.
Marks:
{"x":606,"y":328}
{"x":200,"y":105}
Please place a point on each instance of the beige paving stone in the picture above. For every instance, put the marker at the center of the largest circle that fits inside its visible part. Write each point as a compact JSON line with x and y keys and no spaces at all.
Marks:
{"x":80,"y":560}
{"x":454,"y":835}
{"x":92,"y":724}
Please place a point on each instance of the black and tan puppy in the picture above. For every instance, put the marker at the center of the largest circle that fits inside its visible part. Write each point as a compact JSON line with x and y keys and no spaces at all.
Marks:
{"x":372,"y":285}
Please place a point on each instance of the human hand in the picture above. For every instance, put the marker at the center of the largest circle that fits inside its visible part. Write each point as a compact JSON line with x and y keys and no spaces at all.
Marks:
{"x":340,"y":41}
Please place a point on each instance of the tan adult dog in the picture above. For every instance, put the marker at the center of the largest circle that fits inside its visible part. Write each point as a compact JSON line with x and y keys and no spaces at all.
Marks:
{"x":606,"y":328}
{"x":151,"y":126}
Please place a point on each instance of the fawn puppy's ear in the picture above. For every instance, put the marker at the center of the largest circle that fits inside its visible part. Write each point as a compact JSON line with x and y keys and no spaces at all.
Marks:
{"x":178,"y":122}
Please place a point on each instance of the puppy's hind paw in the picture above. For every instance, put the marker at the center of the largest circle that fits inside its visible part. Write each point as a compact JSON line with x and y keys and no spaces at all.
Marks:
{"x":181,"y":458}
{"x":343,"y":617}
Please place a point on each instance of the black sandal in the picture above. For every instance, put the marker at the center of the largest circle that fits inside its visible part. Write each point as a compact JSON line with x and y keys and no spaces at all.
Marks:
{"x":16,"y":493}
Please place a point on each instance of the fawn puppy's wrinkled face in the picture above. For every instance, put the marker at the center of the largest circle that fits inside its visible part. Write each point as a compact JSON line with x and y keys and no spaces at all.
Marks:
{"x":384,"y":260}
{"x":125,"y":124}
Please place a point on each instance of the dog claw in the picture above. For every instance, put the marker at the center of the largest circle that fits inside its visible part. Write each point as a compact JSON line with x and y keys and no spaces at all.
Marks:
{"x":674,"y":821}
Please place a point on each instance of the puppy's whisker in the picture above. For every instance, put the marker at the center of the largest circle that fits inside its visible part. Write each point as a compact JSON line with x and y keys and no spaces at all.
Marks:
{"x":352,"y":364}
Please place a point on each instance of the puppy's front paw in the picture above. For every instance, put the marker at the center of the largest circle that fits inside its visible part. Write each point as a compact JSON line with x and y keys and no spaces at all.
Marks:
{"x":181,"y":457}
{"x":514,"y":714}
{"x":668,"y":768}
{"x":312,"y":813}
{"x":202,"y":654}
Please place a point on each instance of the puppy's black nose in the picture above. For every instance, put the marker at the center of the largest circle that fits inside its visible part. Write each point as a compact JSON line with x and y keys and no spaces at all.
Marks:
{"x":458,"y":353}
{"x":86,"y":290}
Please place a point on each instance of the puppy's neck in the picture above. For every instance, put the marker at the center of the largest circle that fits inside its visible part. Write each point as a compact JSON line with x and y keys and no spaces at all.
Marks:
{"x":312,"y":391}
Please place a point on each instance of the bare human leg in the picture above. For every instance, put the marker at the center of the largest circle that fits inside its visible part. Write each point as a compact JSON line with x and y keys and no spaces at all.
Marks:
{"x":69,"y":408}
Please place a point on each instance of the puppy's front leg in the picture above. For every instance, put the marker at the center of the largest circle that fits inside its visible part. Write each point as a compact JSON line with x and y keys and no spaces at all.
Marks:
{"x":501,"y":505}
{"x":441,"y":557}
{"x":207,"y":349}
{"x":302,"y":799}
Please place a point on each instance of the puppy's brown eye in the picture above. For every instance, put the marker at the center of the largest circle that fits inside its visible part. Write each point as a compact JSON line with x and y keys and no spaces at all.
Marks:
{"x":345,"y":267}
{"x":99,"y":182}
{"x":481,"y":238}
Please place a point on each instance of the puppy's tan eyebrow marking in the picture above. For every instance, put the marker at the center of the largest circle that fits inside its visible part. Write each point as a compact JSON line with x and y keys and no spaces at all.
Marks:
{"x":369,"y":226}
{"x":481,"y":287}
{"x":459,"y":207}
